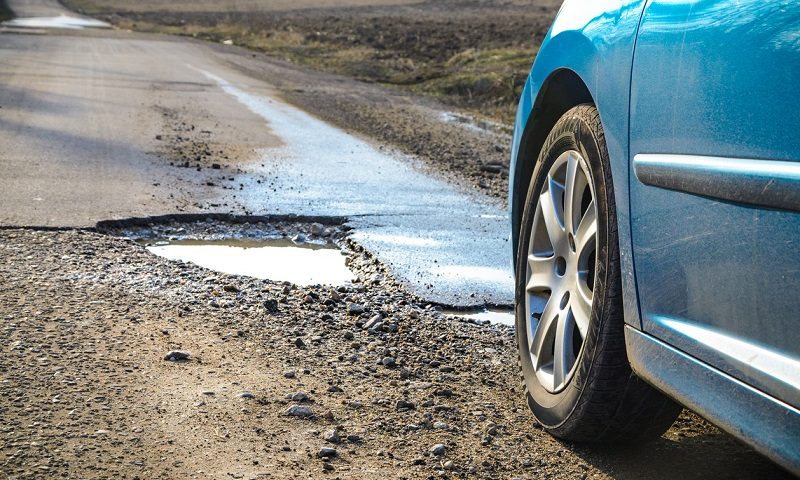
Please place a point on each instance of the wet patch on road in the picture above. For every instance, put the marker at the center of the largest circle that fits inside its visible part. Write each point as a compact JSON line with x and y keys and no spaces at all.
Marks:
{"x":60,"y":22}
{"x":487,"y":316}
{"x":302,"y":264}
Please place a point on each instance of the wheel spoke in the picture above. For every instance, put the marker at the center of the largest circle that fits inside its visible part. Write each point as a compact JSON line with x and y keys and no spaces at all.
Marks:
{"x":563,"y":354}
{"x":550,"y":216}
{"x":581,"y":308}
{"x":542,"y":271}
{"x":587,"y":230}
{"x":570,"y":187}
{"x":537,"y":340}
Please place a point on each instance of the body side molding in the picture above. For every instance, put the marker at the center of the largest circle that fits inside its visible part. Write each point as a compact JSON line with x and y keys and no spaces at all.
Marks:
{"x":766,"y":183}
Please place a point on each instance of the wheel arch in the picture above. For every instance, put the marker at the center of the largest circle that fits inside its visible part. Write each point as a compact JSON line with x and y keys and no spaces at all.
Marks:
{"x":562,"y":90}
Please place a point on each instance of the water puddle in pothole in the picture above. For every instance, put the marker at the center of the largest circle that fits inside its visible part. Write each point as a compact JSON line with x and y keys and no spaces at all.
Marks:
{"x":278,"y":260}
{"x":494,"y":316}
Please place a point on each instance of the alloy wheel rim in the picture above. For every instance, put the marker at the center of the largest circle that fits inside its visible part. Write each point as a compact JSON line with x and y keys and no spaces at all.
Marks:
{"x":561,"y":262}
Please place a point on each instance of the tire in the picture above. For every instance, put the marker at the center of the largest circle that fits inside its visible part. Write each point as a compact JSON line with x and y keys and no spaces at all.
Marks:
{"x":569,"y":315}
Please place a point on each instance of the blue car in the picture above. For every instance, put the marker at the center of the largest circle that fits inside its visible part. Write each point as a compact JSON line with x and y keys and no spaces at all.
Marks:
{"x":655,"y":206}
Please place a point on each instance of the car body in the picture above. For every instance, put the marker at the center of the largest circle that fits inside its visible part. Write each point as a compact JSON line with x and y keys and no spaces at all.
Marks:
{"x":701,"y":116}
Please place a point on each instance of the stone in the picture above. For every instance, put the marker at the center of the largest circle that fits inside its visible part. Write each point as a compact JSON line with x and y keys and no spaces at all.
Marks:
{"x":404,"y":406}
{"x":388,"y":361}
{"x":373,"y":322}
{"x":300,"y":411}
{"x":331,"y":436}
{"x":438,"y":450}
{"x":327,"y":452}
{"x":355,"y":309}
{"x":299,"y":397}
{"x":317,"y":229}
{"x":271,"y":305}
{"x":176,"y":356}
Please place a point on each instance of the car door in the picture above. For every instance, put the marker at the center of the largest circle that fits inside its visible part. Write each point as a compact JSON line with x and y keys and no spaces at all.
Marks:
{"x":715,"y":188}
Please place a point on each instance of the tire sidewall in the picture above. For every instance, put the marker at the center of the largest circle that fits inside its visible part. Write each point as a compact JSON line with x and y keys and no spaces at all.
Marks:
{"x":571,"y":132}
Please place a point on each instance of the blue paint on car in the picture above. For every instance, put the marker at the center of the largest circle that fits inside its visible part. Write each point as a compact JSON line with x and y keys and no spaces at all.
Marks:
{"x":702,"y":93}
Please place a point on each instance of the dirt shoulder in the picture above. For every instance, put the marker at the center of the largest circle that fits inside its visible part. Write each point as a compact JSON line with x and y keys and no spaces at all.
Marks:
{"x":85,"y":390}
{"x":469,"y":54}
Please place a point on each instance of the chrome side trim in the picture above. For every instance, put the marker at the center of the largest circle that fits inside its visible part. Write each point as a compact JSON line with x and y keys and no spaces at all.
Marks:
{"x":768,"y":425}
{"x":767,"y":183}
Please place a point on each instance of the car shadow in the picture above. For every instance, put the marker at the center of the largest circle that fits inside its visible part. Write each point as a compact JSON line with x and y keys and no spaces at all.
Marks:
{"x":685,"y":452}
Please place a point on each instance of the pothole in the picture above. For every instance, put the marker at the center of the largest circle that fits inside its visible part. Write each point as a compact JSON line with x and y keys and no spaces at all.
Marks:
{"x":488,"y":316}
{"x":303,"y":253}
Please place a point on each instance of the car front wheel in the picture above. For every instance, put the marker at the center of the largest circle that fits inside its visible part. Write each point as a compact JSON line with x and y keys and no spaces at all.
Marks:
{"x":569,"y":314}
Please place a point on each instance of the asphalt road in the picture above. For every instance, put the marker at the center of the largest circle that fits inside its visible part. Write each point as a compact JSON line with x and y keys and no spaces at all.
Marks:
{"x":95,"y":125}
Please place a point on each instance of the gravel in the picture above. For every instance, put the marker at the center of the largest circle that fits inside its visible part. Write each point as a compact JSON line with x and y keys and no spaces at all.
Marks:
{"x":85,"y":391}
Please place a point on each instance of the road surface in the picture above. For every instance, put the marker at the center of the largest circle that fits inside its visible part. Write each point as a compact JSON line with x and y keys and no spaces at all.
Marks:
{"x":100,"y":124}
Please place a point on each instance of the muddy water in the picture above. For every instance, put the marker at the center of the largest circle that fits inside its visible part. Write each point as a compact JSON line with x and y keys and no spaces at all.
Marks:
{"x":279,"y":260}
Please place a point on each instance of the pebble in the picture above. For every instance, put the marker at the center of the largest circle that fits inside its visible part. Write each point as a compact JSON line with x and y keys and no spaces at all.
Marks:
{"x":374,"y":322}
{"x":176,"y":356}
{"x":298,"y":397}
{"x":355,"y":309}
{"x":246,"y":395}
{"x":289,"y":374}
{"x":299,"y":343}
{"x":300,"y":411}
{"x":438,"y":450}
{"x":404,"y":406}
{"x":331,"y":436}
{"x":388,"y":362}
{"x":440,"y":425}
{"x":317,"y":229}
{"x":327,"y":452}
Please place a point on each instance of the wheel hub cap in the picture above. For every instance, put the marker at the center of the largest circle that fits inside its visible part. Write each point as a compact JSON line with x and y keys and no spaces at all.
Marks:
{"x":560,"y":273}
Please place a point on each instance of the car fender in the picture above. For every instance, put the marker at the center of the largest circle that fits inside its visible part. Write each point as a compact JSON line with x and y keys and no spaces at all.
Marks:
{"x":594,"y":41}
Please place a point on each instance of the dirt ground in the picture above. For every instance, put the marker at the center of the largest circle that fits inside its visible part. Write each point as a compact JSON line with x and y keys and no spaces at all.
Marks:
{"x":470,"y":54}
{"x":276,"y":374}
